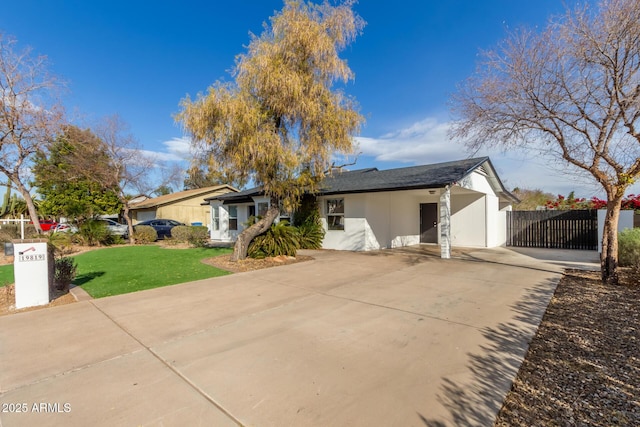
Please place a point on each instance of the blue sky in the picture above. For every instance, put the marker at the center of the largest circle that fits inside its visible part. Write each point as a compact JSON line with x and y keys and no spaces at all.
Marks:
{"x":140,"y":58}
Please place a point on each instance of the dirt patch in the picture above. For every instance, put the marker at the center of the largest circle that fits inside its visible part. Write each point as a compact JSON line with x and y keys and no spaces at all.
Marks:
{"x":8,"y":301}
{"x":224,"y":262}
{"x":583,"y":366}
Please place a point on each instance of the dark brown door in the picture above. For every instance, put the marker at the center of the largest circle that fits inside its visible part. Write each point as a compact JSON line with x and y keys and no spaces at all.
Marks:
{"x":428,"y":223}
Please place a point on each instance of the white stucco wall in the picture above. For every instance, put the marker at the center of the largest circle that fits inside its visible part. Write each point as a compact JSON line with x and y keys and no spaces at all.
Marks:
{"x":468,"y":220}
{"x":377,"y":220}
{"x":493,"y":221}
{"x":477,"y":182}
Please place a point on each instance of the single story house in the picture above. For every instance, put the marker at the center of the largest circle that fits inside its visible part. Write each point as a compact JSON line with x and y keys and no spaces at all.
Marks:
{"x":184,"y":206}
{"x":458,"y":203}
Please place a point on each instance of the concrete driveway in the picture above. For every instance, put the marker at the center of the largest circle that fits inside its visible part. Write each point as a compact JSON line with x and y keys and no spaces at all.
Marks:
{"x":391,"y":338}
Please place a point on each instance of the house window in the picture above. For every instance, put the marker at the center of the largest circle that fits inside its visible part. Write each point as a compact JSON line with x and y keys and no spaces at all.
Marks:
{"x":335,"y":214}
{"x":284,"y":215}
{"x":251,"y":215}
{"x":215,"y":219}
{"x":233,"y":217}
{"x":263,"y":207}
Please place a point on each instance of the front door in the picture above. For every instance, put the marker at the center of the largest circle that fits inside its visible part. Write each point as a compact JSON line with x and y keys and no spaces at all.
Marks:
{"x":428,"y":223}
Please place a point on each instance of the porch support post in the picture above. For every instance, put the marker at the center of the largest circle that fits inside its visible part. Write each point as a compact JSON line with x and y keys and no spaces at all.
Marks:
{"x":445,"y":223}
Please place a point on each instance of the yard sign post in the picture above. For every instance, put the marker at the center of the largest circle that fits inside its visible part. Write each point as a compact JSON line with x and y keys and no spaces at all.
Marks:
{"x":33,"y":272}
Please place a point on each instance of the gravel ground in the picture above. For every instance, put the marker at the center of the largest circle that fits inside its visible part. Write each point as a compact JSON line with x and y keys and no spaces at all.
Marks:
{"x":583,"y":366}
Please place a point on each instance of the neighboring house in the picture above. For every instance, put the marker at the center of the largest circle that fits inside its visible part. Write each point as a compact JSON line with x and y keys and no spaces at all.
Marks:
{"x":460,"y":203}
{"x":184,"y":206}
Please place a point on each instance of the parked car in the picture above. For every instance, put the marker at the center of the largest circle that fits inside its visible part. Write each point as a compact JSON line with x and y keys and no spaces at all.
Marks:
{"x":162,"y":226}
{"x":116,"y":228}
{"x":47,"y":225}
{"x":64,"y":228}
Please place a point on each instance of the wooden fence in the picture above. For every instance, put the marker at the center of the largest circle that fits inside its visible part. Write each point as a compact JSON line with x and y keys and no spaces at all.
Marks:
{"x":574,"y":229}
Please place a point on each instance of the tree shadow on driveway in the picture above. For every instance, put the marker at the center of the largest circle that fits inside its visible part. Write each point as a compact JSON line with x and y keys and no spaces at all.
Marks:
{"x":477,"y":402}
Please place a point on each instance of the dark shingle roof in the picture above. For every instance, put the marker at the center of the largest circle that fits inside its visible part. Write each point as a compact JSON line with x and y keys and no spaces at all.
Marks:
{"x":414,"y":177}
{"x":371,"y":180}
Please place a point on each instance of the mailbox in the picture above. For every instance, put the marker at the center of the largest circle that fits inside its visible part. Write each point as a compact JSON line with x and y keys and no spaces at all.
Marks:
{"x":33,"y":266}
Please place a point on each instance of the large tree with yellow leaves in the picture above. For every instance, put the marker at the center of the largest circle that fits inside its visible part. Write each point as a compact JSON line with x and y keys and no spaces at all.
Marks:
{"x":281,"y":120}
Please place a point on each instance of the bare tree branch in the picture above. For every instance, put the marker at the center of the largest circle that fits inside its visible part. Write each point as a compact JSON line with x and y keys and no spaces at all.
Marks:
{"x":571,"y":91}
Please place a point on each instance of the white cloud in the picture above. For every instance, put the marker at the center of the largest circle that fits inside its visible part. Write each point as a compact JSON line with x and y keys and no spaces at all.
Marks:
{"x":175,"y":150}
{"x":426,"y":141}
{"x":180,"y":147}
{"x":421,"y":143}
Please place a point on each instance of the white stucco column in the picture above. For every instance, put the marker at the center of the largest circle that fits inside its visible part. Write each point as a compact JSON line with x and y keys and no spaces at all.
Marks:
{"x":445,"y":223}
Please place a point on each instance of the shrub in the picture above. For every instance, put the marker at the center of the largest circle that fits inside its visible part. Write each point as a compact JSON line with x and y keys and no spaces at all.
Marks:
{"x":280,"y":239}
{"x":65,"y":272}
{"x":29,"y":232}
{"x":310,"y":235}
{"x":145,"y":234}
{"x":629,"y":248}
{"x":181,"y":233}
{"x":93,"y":233}
{"x":61,"y":242}
{"x":116,"y":239}
{"x":9,"y":232}
{"x":307,"y":220}
{"x":196,"y":235}
{"x":6,"y":235}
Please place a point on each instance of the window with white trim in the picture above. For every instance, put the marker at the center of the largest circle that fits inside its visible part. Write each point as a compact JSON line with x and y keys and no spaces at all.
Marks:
{"x":335,"y":214}
{"x":233,"y":217}
{"x":215,"y":218}
{"x":263,"y":207}
{"x":284,"y":215}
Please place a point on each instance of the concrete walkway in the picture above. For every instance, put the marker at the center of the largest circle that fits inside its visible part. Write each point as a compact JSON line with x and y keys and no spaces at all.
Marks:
{"x":384,"y":338}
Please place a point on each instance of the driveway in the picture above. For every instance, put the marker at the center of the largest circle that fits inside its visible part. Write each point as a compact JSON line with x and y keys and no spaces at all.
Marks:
{"x":393,"y":338}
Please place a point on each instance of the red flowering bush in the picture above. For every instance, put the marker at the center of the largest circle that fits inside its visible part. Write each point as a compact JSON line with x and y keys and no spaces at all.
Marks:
{"x":631,"y":202}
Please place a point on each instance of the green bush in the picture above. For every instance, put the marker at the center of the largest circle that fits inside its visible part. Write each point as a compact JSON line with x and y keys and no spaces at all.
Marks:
{"x":196,"y":235}
{"x":116,"y":239}
{"x":310,"y":235}
{"x":145,"y":234}
{"x":92,"y":233}
{"x":199,"y":235}
{"x":61,"y":242}
{"x":307,"y":221}
{"x":629,"y":248}
{"x":65,"y":272}
{"x":181,"y":233}
{"x":280,"y":239}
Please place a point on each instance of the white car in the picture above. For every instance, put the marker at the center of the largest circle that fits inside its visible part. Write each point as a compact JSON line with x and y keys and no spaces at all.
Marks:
{"x":116,"y":228}
{"x":65,"y":228}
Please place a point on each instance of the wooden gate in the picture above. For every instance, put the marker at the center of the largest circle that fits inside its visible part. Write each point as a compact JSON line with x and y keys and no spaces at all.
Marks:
{"x":574,"y":229}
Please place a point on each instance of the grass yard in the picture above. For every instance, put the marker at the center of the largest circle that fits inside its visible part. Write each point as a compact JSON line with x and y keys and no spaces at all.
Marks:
{"x":6,"y":275}
{"x":124,"y":269}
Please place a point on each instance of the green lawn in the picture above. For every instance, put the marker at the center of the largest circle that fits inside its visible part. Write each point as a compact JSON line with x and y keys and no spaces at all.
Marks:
{"x":124,"y":269}
{"x":6,"y":274}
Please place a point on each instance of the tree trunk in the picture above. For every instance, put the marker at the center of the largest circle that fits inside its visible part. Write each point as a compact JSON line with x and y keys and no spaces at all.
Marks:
{"x":609,"y":256}
{"x":242,"y":243}
{"x":125,"y":211}
{"x":31,"y":207}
